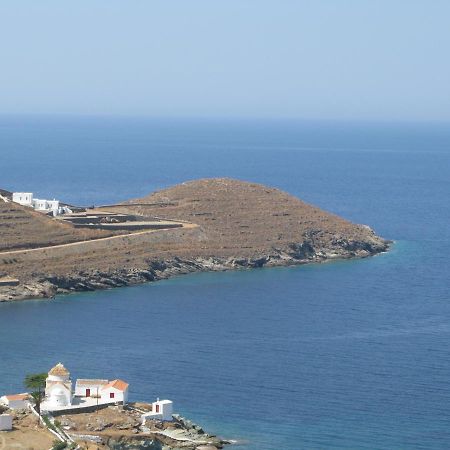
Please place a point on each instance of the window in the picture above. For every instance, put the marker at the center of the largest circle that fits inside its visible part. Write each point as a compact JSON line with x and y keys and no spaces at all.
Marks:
{"x":111,"y":395}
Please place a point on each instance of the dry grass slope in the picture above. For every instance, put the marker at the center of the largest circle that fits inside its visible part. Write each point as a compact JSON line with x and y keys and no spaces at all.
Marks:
{"x":21,"y":227}
{"x":248,"y":218}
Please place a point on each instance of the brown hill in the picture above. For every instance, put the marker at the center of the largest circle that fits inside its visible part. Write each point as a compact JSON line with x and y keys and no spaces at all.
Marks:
{"x":229,"y":224}
{"x":249,"y":219}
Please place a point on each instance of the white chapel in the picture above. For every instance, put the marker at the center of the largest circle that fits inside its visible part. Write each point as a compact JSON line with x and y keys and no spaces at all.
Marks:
{"x":58,"y":387}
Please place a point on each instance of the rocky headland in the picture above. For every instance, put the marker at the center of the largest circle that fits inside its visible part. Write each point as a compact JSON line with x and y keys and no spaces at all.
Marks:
{"x":106,"y":428}
{"x":227,"y":224}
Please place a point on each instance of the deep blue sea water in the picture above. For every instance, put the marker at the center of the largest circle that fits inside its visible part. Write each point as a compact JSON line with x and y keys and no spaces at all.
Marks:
{"x":346,"y":355}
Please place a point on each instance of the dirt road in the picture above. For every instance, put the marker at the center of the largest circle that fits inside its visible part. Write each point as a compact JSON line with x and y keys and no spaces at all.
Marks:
{"x":78,"y":243}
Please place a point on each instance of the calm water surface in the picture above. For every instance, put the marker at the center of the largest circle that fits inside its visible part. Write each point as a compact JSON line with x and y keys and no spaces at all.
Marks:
{"x":341,"y":355}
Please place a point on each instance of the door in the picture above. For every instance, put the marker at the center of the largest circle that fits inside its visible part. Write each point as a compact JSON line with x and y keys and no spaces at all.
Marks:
{"x":88,"y":392}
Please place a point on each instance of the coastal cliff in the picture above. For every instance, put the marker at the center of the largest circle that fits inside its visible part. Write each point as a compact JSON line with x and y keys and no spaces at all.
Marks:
{"x":228,"y":225}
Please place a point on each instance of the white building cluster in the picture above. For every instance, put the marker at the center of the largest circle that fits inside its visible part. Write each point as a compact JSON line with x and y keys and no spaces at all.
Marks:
{"x":59,"y":394}
{"x":88,"y":393}
{"x":47,"y":206}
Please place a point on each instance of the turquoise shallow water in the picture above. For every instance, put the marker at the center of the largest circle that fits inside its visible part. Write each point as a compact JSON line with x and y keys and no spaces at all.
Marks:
{"x":340,"y":355}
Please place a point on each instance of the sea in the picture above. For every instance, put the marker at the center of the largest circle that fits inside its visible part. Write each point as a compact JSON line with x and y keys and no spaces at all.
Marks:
{"x":342,"y":355}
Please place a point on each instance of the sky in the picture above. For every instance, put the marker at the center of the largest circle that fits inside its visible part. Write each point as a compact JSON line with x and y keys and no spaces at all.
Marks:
{"x":318,"y":59}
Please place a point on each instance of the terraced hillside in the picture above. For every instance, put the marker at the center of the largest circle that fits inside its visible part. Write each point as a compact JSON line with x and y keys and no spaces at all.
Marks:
{"x":21,"y":228}
{"x":248,"y":219}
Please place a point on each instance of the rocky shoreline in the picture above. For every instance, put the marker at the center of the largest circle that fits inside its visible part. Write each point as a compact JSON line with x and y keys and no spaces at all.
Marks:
{"x":121,"y":429}
{"x":114,"y":427}
{"x":83,"y":281}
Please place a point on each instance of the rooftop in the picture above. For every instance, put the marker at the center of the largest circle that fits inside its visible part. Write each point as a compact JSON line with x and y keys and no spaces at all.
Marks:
{"x":117,"y":384}
{"x":13,"y":397}
{"x":83,"y":381}
{"x":59,"y":370}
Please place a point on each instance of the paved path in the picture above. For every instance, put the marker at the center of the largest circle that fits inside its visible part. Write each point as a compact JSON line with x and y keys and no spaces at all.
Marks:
{"x":110,"y":238}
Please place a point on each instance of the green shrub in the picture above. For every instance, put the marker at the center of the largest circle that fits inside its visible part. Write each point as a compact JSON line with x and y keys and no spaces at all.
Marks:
{"x":58,"y":445}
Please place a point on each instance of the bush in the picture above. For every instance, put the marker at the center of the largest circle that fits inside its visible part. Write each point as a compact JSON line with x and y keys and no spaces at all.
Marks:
{"x":58,"y":445}
{"x":48,"y":423}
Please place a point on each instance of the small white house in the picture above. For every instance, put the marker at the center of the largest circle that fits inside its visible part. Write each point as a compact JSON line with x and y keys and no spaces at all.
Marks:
{"x":89,"y":387}
{"x":53,"y":205}
{"x":46,"y":205}
{"x":16,"y":401}
{"x":23,"y":198}
{"x":114,"y":391}
{"x":5,"y":422}
{"x":39,"y":204}
{"x":161,"y":409}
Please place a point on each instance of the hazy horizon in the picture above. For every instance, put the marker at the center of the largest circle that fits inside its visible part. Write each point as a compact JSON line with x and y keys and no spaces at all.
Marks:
{"x":240,"y":59}
{"x":230,"y":118}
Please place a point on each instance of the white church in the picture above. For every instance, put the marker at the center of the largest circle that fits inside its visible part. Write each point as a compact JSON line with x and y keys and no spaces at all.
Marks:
{"x":59,"y":394}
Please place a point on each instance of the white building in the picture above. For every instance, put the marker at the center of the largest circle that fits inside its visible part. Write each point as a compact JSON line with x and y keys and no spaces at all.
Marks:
{"x":58,"y":387}
{"x":23,"y":198}
{"x":5,"y":422}
{"x":16,"y":401}
{"x":107,"y":391}
{"x":89,"y":387}
{"x":46,"y":205}
{"x":88,"y":392}
{"x":115,"y":391}
{"x":26,"y":199}
{"x":53,"y":205}
{"x":161,"y":409}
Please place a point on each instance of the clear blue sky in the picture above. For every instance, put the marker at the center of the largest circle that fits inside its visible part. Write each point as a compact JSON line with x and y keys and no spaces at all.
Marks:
{"x":367,"y":59}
